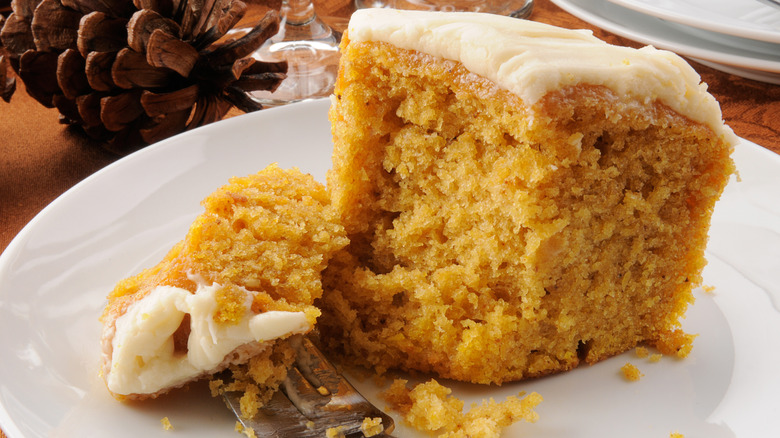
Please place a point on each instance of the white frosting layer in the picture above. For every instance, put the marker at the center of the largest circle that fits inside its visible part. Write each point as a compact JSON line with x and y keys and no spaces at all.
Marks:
{"x":531,"y":59}
{"x":143,"y":360}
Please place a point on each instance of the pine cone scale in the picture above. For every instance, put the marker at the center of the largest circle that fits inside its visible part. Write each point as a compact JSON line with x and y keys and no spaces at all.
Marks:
{"x":260,"y":81}
{"x":130,"y":70}
{"x":143,"y":23}
{"x":233,"y":15}
{"x":115,"y":8}
{"x":55,"y":27}
{"x":267,"y":67}
{"x":98,"y":70}
{"x":166,"y":126}
{"x":100,"y":32}
{"x":89,"y":109}
{"x":202,"y":16}
{"x":158,"y":104}
{"x":7,"y":83}
{"x":116,"y":112}
{"x":209,"y":110}
{"x":16,"y":35}
{"x":245,"y":45}
{"x":69,"y":112}
{"x":166,"y":51}
{"x":166,"y":8}
{"x":71,"y":74}
{"x":24,"y":8}
{"x":38,"y":70}
{"x":240,"y":66}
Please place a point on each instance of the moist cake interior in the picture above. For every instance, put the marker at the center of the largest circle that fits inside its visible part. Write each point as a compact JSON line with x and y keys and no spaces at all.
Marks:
{"x":492,"y":240}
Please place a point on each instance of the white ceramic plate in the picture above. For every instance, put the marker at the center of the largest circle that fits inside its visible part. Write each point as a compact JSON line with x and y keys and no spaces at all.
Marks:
{"x":55,"y":275}
{"x":735,"y":54}
{"x":744,"y":18}
{"x":756,"y":75}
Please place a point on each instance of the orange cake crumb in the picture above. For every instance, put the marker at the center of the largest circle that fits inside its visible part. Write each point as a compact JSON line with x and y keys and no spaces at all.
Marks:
{"x":430,"y":407}
{"x":372,"y":426}
{"x":676,"y":343}
{"x":166,"y":423}
{"x":259,"y":378}
{"x":631,"y":372}
{"x":335,"y":432}
{"x":642,"y":352}
{"x":248,"y":432}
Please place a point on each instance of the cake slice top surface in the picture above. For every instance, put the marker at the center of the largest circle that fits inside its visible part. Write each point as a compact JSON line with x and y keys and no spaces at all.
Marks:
{"x":531,"y":59}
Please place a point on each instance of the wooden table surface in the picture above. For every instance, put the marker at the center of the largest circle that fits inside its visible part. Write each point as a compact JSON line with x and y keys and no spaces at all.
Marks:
{"x":40,"y":159}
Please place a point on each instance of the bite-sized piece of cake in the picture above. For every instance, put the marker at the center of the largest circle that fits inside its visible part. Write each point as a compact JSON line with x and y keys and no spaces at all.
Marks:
{"x":519,"y":198}
{"x":259,"y":378}
{"x":246,"y":274}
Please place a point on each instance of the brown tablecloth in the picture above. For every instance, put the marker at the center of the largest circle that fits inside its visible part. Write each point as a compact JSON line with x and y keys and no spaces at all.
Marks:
{"x":40,"y":159}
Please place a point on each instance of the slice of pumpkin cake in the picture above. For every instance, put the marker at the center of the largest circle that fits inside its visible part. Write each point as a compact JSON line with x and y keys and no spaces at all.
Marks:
{"x":246,"y":274}
{"x":519,"y":198}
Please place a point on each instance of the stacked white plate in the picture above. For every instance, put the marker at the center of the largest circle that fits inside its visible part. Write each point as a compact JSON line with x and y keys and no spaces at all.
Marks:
{"x":741,"y":37}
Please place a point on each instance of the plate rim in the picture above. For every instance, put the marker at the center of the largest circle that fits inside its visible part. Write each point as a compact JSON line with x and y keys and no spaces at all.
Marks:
{"x":576,"y":8}
{"x":762,"y":34}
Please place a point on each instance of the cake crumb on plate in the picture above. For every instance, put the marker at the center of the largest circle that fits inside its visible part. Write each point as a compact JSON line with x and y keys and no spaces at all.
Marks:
{"x":372,"y":426}
{"x":166,"y":423}
{"x":335,"y":432}
{"x":631,"y":372}
{"x":430,"y":407}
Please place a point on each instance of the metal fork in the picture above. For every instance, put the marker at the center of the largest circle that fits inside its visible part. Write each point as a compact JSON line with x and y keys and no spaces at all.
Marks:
{"x":315,"y":397}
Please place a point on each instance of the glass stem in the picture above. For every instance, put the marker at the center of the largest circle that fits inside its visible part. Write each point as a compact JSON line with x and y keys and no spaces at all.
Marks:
{"x":301,"y":23}
{"x":298,"y":12}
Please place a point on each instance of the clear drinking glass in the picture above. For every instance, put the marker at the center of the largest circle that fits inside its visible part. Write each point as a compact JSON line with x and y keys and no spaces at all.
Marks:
{"x":310,"y":48}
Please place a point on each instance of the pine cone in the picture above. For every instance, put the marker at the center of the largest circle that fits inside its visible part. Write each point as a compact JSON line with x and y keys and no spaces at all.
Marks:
{"x":7,"y":81}
{"x":136,"y":71}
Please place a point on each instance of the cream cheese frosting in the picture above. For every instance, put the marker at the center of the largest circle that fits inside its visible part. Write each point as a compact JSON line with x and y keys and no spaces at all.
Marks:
{"x":531,"y":59}
{"x":144,"y":359}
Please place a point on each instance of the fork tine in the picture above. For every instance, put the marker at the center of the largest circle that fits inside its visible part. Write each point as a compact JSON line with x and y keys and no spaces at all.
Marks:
{"x":313,"y":398}
{"x":302,"y":393}
{"x":315,"y":367}
{"x":279,"y":418}
{"x":343,"y":403}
